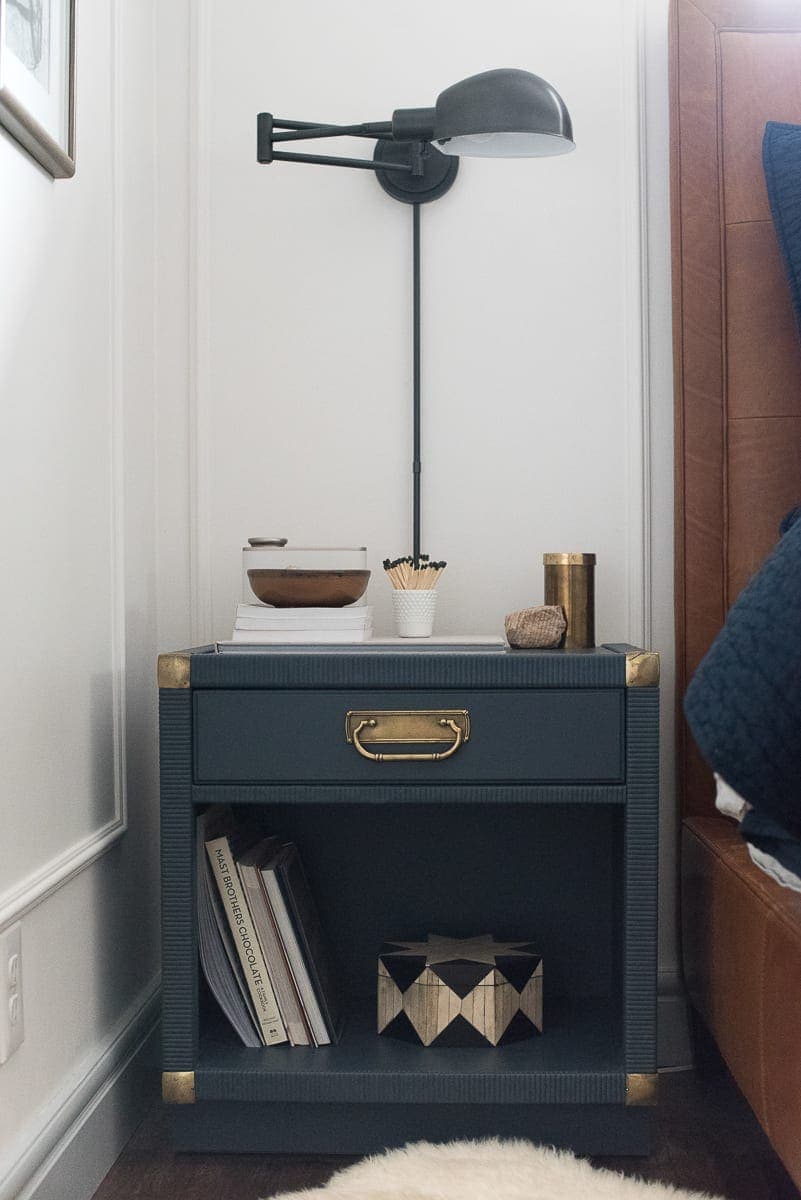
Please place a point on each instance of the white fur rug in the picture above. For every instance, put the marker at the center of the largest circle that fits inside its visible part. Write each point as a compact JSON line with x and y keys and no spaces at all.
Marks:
{"x":484,"y":1170}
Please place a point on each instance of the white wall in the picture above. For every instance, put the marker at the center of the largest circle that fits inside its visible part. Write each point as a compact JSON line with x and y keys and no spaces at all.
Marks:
{"x":546,"y":324}
{"x":531,"y":388}
{"x":78,"y":606}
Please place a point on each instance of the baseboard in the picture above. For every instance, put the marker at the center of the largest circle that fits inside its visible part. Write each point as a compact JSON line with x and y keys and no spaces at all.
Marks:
{"x":80,"y":1132}
{"x":674,"y":1045}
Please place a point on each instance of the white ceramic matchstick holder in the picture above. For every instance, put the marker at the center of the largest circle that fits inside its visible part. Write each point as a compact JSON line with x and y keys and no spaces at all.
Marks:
{"x":414,"y":611}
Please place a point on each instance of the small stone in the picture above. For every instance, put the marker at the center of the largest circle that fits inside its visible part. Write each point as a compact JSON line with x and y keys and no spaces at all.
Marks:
{"x":536,"y":628}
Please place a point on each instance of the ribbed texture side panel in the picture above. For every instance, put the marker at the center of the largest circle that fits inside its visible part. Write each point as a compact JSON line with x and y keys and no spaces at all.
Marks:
{"x":179,"y":938}
{"x":536,"y":669}
{"x":455,"y":793}
{"x":641,"y":885}
{"x":566,"y":1087}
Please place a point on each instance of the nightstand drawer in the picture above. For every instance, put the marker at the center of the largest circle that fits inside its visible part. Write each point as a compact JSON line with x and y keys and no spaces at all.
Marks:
{"x":508,"y":735}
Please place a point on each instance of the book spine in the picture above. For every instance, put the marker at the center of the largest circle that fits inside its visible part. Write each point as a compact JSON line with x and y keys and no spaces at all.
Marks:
{"x":294,"y":956}
{"x":303,"y":913}
{"x":247,"y":944}
{"x":288,"y":1000}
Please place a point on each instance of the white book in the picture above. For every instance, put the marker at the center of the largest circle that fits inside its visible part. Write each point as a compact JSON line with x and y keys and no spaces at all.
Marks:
{"x":223,"y":867}
{"x":299,"y":627}
{"x":301,"y":970}
{"x":249,"y":866}
{"x":300,"y":637}
{"x":264,"y":612}
{"x":303,"y":623}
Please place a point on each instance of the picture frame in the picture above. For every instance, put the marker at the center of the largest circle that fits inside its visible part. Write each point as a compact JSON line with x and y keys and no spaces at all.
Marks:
{"x":37,"y":80}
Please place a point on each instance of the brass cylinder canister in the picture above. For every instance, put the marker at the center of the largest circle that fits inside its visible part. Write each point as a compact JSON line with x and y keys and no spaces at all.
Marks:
{"x":570,"y":582}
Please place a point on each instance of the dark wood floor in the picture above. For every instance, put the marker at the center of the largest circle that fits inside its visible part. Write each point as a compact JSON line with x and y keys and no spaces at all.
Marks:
{"x":707,"y":1139}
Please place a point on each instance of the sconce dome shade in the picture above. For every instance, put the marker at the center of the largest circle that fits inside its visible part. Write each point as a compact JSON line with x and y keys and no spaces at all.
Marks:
{"x":504,"y":113}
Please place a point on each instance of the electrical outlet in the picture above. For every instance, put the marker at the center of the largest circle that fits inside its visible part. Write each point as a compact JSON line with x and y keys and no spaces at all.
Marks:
{"x":12,"y":1027}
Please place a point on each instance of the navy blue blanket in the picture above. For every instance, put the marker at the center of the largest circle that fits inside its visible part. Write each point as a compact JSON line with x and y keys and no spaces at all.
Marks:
{"x":744,"y":703}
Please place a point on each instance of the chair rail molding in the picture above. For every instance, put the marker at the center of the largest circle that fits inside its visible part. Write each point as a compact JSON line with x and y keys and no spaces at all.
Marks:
{"x":53,"y":874}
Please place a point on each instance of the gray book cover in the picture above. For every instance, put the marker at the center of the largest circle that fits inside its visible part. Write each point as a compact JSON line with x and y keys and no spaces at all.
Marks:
{"x":306,"y":923}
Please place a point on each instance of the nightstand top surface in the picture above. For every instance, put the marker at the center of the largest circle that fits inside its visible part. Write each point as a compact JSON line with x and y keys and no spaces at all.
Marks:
{"x":607,"y":666}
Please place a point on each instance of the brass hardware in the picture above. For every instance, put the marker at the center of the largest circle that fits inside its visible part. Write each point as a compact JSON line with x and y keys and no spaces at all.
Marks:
{"x":642,"y":668}
{"x":178,"y":1087}
{"x":415,"y":727}
{"x":565,"y":560}
{"x":174,"y":670}
{"x":570,"y":585}
{"x":641,"y":1090}
{"x":435,"y":757}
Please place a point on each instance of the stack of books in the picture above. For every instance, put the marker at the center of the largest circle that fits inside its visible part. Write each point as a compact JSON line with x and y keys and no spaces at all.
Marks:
{"x":259,"y":624}
{"x":261,"y":945}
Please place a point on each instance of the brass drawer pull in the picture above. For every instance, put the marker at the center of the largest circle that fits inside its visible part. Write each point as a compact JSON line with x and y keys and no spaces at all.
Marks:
{"x":410,"y":727}
{"x":435,"y":757}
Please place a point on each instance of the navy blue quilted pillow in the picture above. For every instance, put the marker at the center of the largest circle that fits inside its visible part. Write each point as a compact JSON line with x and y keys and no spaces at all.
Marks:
{"x":781,"y":160}
{"x":744,"y":701}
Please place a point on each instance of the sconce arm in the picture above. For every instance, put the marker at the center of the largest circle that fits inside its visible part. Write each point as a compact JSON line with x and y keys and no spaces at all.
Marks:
{"x":300,"y":130}
{"x":266,"y":137}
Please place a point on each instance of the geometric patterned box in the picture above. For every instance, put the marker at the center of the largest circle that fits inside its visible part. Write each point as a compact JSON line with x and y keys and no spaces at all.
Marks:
{"x":459,"y":991}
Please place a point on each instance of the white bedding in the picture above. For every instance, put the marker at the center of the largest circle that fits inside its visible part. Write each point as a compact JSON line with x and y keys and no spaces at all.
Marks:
{"x":731,"y":804}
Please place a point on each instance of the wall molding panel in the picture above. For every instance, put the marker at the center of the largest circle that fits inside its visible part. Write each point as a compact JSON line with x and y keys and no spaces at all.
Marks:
{"x":117,"y":434}
{"x":40,"y":884}
{"x":200,"y":565}
{"x":634,"y":215}
{"x":44,"y":880}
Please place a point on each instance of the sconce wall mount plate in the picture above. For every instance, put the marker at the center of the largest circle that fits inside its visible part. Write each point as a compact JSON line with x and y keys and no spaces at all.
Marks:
{"x":432,"y":175}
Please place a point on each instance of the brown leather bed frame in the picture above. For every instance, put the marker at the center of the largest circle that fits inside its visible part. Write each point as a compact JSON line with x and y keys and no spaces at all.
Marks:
{"x":735,"y":64}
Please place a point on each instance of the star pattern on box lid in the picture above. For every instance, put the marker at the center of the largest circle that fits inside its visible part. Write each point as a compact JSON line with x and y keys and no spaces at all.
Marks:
{"x":438,"y":948}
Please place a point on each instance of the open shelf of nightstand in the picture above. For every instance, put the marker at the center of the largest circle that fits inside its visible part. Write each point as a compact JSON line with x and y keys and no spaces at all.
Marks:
{"x":578,"y":1059}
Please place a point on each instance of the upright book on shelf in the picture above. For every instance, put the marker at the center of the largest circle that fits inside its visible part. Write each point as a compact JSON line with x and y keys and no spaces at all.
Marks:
{"x":217,"y":950}
{"x":249,"y":865}
{"x":223,"y":843}
{"x":299,"y":926}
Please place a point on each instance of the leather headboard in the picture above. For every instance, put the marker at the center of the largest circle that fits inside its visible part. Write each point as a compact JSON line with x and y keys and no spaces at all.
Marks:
{"x":735,"y":64}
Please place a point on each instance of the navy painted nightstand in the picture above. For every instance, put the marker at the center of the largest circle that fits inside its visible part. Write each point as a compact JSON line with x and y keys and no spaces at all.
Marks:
{"x":460,"y":793}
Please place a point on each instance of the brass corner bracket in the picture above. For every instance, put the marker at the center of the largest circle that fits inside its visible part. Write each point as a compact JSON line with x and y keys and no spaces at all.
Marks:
{"x":174,"y":670}
{"x":178,"y":1087}
{"x":641,"y":1090}
{"x":642,"y":668}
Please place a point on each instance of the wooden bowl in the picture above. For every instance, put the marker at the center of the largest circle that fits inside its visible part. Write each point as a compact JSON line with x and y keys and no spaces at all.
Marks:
{"x":308,"y":589}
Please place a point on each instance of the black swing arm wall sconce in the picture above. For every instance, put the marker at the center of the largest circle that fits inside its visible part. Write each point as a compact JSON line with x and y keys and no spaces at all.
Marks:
{"x":505,"y":113}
